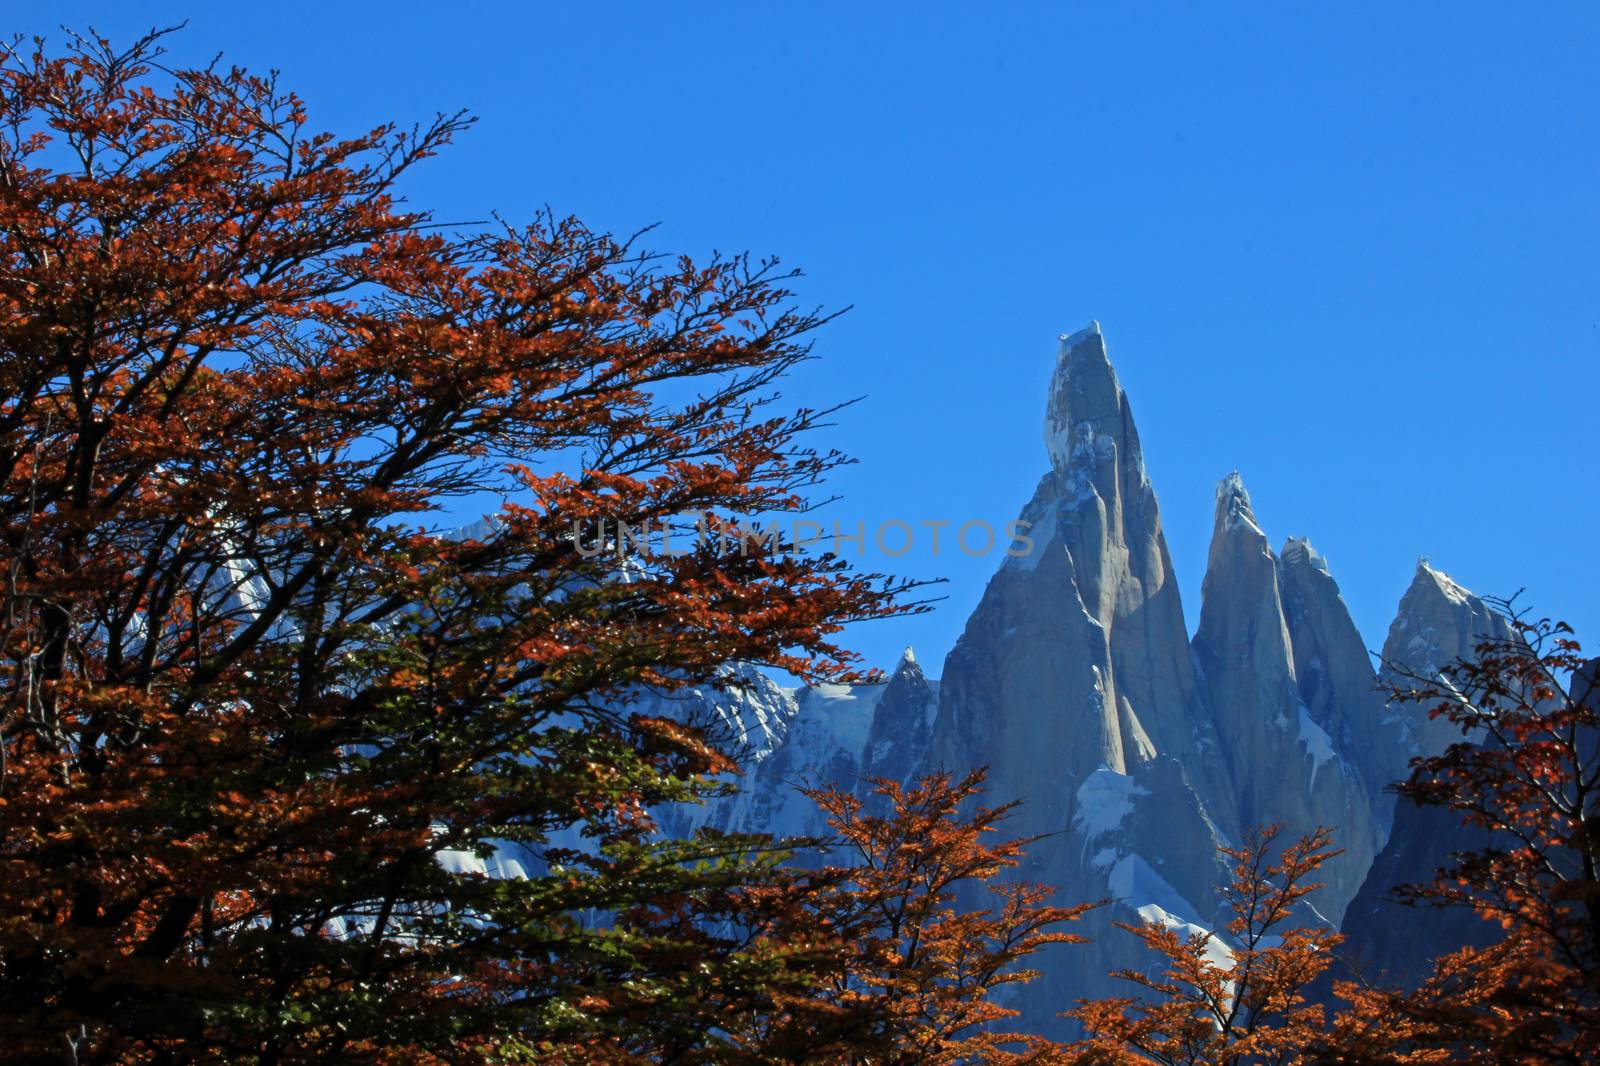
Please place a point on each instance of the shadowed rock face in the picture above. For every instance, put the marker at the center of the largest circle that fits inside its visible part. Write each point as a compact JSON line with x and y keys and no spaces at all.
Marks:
{"x":1389,"y":942}
{"x":1334,"y":672}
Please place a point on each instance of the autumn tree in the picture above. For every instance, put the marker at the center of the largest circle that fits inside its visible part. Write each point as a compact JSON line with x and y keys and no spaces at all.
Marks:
{"x":932,"y":926}
{"x":1243,"y":998}
{"x":253,"y":688}
{"x":1526,"y":774}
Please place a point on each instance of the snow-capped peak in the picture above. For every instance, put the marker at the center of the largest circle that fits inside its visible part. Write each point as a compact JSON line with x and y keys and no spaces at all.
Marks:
{"x":1084,"y":418}
{"x":1233,"y":504}
{"x":1443,"y":582}
{"x":1072,"y":340}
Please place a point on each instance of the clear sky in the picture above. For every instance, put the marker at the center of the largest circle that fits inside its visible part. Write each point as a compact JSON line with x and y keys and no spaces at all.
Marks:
{"x":1349,"y":250}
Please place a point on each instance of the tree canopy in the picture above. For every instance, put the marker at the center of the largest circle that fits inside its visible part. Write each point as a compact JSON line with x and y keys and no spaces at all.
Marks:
{"x":255,"y":686}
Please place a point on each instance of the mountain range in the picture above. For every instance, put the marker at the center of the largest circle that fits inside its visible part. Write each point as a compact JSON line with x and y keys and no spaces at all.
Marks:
{"x":1135,"y":748}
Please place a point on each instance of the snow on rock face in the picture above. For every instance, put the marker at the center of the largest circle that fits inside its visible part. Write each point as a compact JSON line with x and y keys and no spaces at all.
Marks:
{"x":1453,"y":593}
{"x":1039,"y":523}
{"x":1072,"y":340}
{"x":1298,"y":550}
{"x":825,"y":745}
{"x":741,"y":710}
{"x":1105,"y":799}
{"x":1318,"y":745}
{"x":837,"y":717}
{"x":462,"y":863}
{"x":838,"y":735}
{"x":1134,"y":883}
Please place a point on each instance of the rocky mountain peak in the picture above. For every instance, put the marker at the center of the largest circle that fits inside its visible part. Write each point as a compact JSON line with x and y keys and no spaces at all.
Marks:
{"x":1335,"y":675}
{"x":1433,"y":582}
{"x":1438,"y":621}
{"x":1273,"y":702}
{"x":1239,"y":595}
{"x":1297,"y":551}
{"x":902,"y":720}
{"x":1088,"y":429}
{"x":1233,"y":505}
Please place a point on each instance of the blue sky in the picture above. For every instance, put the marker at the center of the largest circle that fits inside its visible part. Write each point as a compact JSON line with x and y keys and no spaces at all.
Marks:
{"x":1349,"y":250}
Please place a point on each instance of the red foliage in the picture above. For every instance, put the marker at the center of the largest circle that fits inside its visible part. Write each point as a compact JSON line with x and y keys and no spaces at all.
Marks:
{"x":930,"y":926}
{"x":1239,"y":999}
{"x":251,"y":689}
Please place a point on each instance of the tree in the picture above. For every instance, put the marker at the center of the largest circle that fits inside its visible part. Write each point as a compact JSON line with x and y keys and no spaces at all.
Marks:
{"x":1528,"y":772}
{"x":1218,"y":1002}
{"x":922,"y":963}
{"x":255,"y":690}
